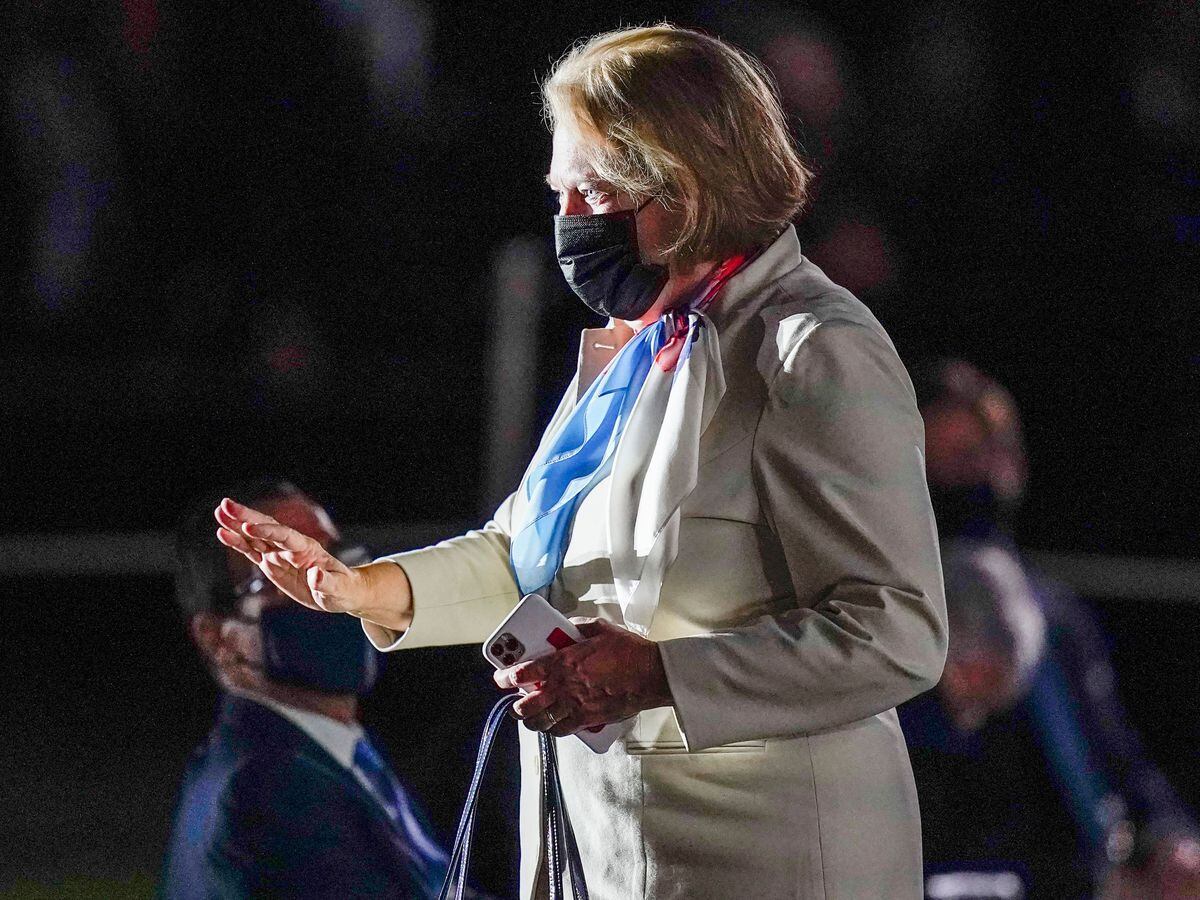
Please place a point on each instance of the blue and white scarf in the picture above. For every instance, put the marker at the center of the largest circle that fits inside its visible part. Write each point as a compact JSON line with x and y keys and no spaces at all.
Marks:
{"x":639,"y":423}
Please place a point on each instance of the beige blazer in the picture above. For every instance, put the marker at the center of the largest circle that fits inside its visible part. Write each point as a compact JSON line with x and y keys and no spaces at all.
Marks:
{"x":805,"y":603}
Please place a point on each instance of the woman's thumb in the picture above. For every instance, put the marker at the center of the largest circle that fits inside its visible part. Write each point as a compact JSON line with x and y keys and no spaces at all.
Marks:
{"x":321,"y":581}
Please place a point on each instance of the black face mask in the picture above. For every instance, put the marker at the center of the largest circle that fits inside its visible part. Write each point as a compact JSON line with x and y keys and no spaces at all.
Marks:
{"x":598,"y":256}
{"x":324,"y":651}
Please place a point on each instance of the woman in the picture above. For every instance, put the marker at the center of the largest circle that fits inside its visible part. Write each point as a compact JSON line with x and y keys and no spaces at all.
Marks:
{"x":735,"y":476}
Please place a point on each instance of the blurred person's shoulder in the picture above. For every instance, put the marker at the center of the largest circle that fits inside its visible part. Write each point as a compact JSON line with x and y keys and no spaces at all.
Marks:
{"x":292,"y":790}
{"x":274,"y":768}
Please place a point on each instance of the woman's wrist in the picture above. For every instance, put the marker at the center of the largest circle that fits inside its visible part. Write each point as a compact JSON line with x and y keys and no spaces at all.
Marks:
{"x":386,"y":595}
{"x":657,"y":688}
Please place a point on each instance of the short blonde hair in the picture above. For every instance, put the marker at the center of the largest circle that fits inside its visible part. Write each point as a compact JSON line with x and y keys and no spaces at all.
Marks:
{"x":690,"y":120}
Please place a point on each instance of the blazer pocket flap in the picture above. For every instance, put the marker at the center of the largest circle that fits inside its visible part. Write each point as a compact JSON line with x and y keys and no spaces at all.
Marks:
{"x":668,"y":748}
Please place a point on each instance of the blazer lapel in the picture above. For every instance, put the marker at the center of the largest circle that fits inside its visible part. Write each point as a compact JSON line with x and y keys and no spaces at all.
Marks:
{"x":257,"y":724}
{"x":431,"y":870}
{"x":597,"y":347}
{"x":739,"y":318}
{"x":364,"y":798}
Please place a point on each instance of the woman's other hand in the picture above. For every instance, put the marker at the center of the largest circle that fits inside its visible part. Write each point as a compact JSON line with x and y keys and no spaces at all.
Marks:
{"x":304,"y":570}
{"x":611,"y":675}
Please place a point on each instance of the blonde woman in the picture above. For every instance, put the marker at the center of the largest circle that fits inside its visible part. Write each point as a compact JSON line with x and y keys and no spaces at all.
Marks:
{"x":732,"y":492}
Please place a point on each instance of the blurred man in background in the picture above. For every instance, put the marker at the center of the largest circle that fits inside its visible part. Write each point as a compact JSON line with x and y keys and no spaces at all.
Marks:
{"x":1028,"y":769}
{"x":287,"y":796}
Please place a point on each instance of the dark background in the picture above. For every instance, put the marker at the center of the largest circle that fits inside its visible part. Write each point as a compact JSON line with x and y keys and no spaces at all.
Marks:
{"x":244,"y":238}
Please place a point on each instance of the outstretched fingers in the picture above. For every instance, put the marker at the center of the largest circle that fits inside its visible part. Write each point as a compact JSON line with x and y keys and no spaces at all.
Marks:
{"x":296,"y":564}
{"x":232,"y":516}
{"x":287,"y":579}
{"x":294,"y":548}
{"x":235,"y":541}
{"x":242,"y":513}
{"x":280,"y":537}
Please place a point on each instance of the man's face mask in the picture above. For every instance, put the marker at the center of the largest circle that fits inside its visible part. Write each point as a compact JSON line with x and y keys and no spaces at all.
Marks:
{"x":327,"y":652}
{"x":598,"y":255}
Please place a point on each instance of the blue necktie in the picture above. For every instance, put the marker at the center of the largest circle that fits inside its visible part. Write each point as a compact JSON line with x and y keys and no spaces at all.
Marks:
{"x":368,"y":761}
{"x":395,"y":803}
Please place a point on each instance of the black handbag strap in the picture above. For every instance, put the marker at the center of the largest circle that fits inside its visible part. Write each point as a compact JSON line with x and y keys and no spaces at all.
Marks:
{"x":560,"y":837}
{"x":456,"y":873}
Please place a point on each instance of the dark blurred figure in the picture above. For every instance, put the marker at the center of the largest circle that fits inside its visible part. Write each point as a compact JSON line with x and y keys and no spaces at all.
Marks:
{"x":1032,"y":782}
{"x":59,"y":146}
{"x":288,"y":796}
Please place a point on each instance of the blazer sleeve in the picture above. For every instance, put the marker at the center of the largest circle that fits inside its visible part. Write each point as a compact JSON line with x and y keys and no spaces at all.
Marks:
{"x":838,"y":461}
{"x":462,"y":588}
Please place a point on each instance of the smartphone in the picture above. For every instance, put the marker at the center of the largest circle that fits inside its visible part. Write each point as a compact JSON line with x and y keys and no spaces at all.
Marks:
{"x":535,"y":629}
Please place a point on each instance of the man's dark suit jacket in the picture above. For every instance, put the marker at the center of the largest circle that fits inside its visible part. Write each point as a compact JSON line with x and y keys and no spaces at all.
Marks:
{"x":266,"y":811}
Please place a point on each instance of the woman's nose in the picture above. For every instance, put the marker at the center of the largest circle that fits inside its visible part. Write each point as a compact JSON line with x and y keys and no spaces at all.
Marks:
{"x":573,"y":204}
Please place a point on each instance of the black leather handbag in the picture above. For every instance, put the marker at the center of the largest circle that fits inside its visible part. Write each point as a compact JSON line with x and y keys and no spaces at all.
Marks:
{"x":562,"y":851}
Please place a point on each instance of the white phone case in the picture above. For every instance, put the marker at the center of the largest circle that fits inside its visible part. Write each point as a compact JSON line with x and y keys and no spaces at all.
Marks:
{"x":534,"y":629}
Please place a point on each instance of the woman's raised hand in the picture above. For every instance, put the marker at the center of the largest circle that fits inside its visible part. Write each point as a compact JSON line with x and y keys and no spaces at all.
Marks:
{"x":296,"y":564}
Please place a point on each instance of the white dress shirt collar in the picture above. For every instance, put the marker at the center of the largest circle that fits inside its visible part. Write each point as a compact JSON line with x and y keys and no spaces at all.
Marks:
{"x":336,"y":738}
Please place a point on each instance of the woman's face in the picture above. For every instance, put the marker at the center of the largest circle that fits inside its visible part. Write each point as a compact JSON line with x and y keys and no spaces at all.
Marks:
{"x":581,"y":192}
